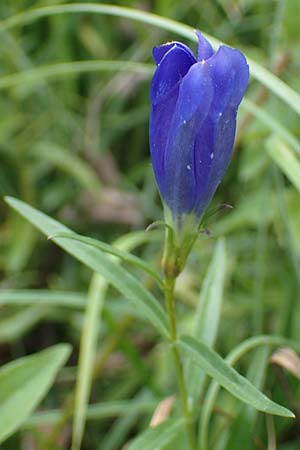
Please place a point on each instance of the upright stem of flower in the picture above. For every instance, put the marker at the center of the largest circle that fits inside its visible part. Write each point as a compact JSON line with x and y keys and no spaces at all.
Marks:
{"x":170,"y":304}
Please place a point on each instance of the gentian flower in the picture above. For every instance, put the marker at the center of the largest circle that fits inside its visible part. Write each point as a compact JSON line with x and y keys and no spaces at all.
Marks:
{"x":194,"y":104}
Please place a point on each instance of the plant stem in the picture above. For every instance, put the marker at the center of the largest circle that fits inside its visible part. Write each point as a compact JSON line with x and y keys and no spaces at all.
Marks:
{"x":170,"y":304}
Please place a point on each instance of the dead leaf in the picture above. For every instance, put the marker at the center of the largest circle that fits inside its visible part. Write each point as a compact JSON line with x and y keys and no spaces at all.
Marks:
{"x":288,"y":359}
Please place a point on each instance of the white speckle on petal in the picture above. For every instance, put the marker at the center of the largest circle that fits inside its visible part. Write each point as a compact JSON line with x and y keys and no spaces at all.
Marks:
{"x":212,"y":156}
{"x":188,"y":167}
{"x":184,"y":122}
{"x":220,"y":114}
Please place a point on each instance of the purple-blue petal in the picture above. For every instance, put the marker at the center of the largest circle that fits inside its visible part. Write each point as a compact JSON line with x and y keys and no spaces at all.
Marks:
{"x":205,"y":49}
{"x":159,"y":127}
{"x":192,"y":108}
{"x":160,"y":51}
{"x":171,"y":69}
{"x":214,"y":141}
{"x":230,"y":74}
{"x":164,"y":92}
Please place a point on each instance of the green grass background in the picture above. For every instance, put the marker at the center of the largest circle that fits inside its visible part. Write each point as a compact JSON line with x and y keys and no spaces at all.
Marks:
{"x":74,"y":144}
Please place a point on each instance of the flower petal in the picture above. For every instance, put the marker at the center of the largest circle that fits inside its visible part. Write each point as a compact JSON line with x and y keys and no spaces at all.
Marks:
{"x":192,"y":107}
{"x":160,"y":51}
{"x":172,"y":68}
{"x":214,"y":142}
{"x":205,"y":49}
{"x":159,"y":127}
{"x":230,"y":73}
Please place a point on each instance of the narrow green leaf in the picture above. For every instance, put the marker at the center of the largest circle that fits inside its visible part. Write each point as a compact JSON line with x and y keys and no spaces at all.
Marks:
{"x":70,"y":69}
{"x":272,"y":123}
{"x":87,"y":355}
{"x":286,"y":160}
{"x":242,"y":428}
{"x":22,"y":243}
{"x":209,"y":305}
{"x":70,"y":300}
{"x":106,"y":248}
{"x":155,"y":438}
{"x":25,"y":297}
{"x":24,"y":382}
{"x":233,"y":357}
{"x":128,"y":285}
{"x":230,"y":379}
{"x":207,"y":316}
{"x":96,"y":411}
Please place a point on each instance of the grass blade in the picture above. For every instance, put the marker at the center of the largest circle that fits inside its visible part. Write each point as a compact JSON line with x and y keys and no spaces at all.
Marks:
{"x":277,"y":86}
{"x":270,"y":122}
{"x":73,"y":68}
{"x":90,"y":331}
{"x":156,"y":438}
{"x":233,"y":357}
{"x":285,"y":159}
{"x":129,"y":286}
{"x":25,"y":297}
{"x":87,"y":352}
{"x":244,"y":424}
{"x":231,"y":380}
{"x":106,"y":248}
{"x":24,"y":382}
{"x":207,"y":316}
{"x":96,"y":411}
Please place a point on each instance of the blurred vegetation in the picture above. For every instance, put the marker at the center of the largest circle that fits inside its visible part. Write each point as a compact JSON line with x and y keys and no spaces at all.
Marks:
{"x":75,"y":145}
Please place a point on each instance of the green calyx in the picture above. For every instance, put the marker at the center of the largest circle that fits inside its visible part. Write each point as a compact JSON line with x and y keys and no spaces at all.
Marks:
{"x":178,"y":245}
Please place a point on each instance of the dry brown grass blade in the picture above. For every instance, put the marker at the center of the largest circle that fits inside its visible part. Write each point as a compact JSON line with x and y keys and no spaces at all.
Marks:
{"x":160,"y":414}
{"x":162,"y":411}
{"x":287,"y":359}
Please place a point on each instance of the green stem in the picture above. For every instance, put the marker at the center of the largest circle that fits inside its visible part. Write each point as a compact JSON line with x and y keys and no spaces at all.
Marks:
{"x":170,"y":304}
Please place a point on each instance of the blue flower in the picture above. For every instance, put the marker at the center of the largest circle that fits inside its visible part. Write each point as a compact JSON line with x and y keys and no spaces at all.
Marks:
{"x":194,"y":105}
